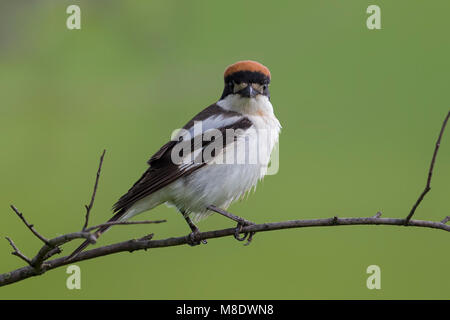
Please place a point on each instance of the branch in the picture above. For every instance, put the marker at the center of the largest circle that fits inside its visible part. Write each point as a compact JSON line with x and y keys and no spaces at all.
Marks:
{"x":40,"y":263}
{"x":91,"y":204}
{"x":17,"y":252}
{"x":430,"y":171}
{"x":29,"y":226}
{"x":144,"y":243}
{"x":52,"y":246}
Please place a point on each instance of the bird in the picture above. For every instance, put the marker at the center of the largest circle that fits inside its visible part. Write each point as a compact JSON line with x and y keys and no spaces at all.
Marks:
{"x":212,"y":160}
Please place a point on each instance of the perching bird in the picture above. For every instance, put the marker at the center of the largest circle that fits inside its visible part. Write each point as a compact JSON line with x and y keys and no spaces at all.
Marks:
{"x":215,"y":159}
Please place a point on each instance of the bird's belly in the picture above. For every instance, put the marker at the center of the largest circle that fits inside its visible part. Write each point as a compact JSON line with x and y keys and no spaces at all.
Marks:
{"x":215,"y":184}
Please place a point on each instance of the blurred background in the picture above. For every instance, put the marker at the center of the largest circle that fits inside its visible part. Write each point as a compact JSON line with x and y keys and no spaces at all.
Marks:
{"x":361,"y":110}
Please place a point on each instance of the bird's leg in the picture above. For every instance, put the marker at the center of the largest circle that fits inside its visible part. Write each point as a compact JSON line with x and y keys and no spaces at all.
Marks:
{"x":194,"y":229}
{"x":241,"y":222}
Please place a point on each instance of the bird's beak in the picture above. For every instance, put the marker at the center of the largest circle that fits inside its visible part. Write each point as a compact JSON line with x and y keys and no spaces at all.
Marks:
{"x":248,"y":92}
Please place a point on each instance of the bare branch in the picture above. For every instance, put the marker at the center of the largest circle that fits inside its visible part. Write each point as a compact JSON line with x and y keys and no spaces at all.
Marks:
{"x":147,"y":237}
{"x":29,"y":226}
{"x":143,"y":244}
{"x":445,"y":220}
{"x":377,"y":215}
{"x":94,"y":192}
{"x":17,"y":252}
{"x":40,"y":263}
{"x":430,"y":171}
{"x":51,"y":253}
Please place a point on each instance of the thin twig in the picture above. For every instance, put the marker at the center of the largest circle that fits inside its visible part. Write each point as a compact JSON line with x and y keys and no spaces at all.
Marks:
{"x":114,"y":223}
{"x":52,"y":252}
{"x":94,"y":192}
{"x":430,"y":171}
{"x":17,"y":252}
{"x":133,"y":245}
{"x":378,"y":214}
{"x":29,"y":226}
{"x":147,"y":237}
{"x":445,"y":220}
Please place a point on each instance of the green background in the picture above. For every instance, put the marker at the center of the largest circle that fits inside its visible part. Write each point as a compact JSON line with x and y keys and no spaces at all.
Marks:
{"x":360,"y":111}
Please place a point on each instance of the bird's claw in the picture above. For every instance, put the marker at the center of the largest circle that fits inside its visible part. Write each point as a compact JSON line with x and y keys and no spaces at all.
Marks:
{"x":247,"y":235}
{"x":193,"y":239}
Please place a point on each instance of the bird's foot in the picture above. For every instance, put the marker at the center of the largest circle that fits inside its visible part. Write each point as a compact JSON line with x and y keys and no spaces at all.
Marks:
{"x":193,"y":239}
{"x":247,"y":235}
{"x":241,"y":223}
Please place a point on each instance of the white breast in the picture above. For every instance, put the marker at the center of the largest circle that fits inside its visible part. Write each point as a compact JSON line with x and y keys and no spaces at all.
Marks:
{"x":221,"y":183}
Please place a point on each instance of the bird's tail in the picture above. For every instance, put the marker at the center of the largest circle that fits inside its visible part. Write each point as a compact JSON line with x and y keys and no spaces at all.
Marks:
{"x":116,"y":217}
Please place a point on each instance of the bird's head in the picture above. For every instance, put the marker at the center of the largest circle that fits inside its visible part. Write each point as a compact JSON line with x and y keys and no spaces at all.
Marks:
{"x":247,"y":79}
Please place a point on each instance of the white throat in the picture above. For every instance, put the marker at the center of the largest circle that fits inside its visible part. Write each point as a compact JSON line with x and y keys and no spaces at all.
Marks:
{"x":260,"y":105}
